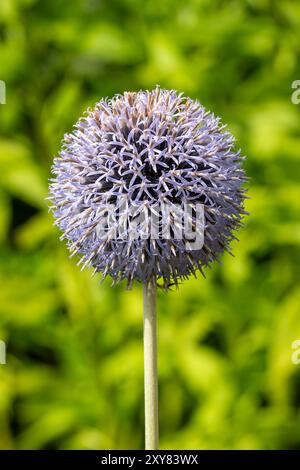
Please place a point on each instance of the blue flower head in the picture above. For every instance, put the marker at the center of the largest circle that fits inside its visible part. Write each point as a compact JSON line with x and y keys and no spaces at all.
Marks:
{"x":140,"y":152}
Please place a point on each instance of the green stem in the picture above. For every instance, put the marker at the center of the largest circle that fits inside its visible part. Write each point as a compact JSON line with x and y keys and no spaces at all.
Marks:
{"x":150,"y":366}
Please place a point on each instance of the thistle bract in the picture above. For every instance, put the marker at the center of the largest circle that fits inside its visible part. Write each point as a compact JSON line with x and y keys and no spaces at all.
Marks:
{"x":151,"y":156}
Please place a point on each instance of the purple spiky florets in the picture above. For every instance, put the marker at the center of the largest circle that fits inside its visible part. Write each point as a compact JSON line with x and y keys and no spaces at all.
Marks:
{"x":147,"y":148}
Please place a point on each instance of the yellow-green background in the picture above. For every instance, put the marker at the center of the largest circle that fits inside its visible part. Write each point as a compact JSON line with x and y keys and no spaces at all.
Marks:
{"x":74,"y":376}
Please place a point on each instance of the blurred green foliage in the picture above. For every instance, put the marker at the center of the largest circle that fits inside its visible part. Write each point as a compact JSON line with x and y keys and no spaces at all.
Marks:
{"x":74,"y":376}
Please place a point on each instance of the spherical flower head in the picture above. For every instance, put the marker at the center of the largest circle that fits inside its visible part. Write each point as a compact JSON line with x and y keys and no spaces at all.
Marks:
{"x":148,"y":156}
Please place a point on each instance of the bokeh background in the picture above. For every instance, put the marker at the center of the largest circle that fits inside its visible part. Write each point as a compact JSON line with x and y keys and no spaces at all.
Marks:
{"x":74,"y":372}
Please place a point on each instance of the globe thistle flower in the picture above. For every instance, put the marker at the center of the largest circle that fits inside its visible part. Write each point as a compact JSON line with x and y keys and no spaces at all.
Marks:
{"x":137,"y":150}
{"x":134,"y":173}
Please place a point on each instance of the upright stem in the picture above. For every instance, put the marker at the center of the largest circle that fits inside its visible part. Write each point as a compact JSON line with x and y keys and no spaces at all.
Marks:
{"x":150,"y":366}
